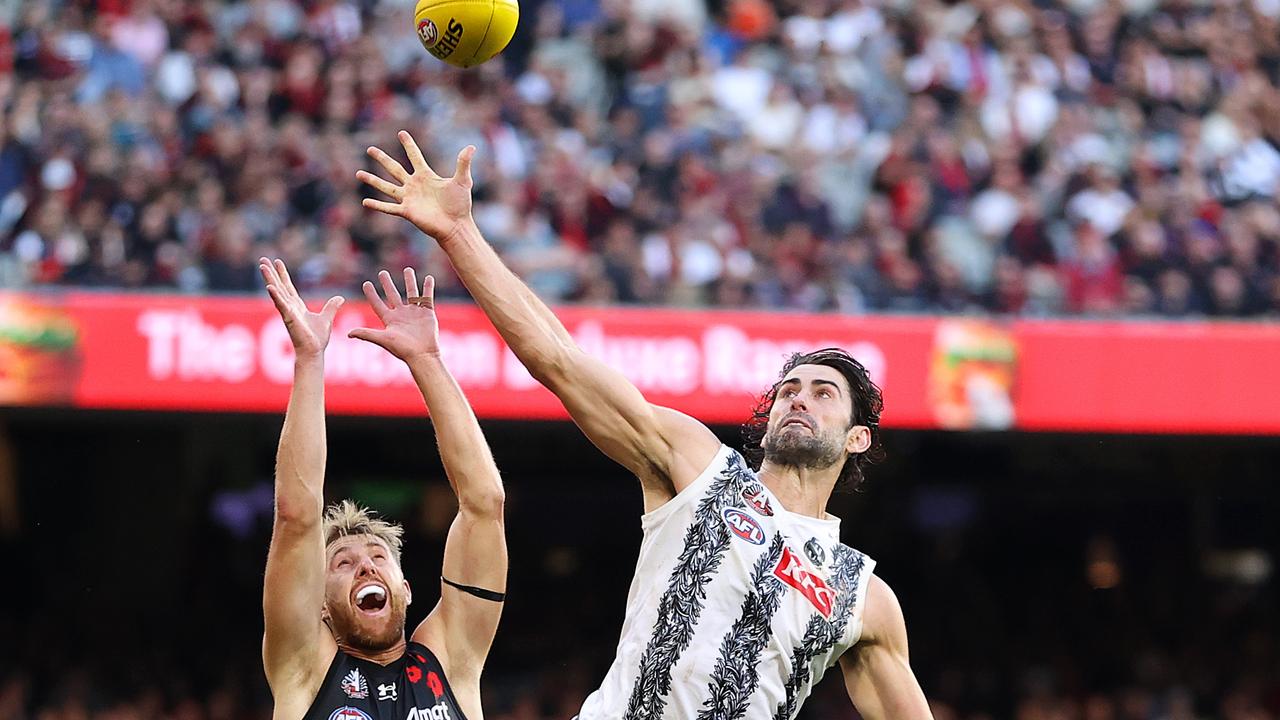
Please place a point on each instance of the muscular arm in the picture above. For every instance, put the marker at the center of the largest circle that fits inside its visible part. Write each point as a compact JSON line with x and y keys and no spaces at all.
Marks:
{"x":664,"y":448}
{"x":295,"y":641}
{"x":877,"y":672}
{"x":461,"y":627}
{"x":475,"y":553}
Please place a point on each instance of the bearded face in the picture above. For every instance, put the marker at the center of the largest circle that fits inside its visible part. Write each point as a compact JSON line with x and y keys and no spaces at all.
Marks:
{"x":366,"y":596}
{"x":809,"y":423}
{"x":800,"y":443}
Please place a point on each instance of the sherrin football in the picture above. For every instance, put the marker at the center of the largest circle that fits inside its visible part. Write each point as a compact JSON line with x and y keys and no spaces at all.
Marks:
{"x":464,"y":33}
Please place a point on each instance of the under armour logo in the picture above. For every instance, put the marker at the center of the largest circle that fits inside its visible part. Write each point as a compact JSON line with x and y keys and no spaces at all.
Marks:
{"x":387,"y":692}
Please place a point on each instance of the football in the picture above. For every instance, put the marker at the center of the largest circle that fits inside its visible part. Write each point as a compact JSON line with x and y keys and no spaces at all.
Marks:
{"x":465,"y":33}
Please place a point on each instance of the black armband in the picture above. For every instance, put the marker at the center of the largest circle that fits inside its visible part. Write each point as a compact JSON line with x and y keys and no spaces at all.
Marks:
{"x":478,"y":592}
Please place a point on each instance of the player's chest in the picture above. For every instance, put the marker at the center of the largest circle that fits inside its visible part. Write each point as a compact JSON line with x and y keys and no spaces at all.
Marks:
{"x":783,"y":568}
{"x":413,"y":693}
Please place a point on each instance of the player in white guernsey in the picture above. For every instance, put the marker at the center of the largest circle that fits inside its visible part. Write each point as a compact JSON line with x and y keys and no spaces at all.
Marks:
{"x":743,"y":596}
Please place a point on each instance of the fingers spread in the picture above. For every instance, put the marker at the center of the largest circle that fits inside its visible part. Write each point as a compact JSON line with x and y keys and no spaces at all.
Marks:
{"x":379,"y":184}
{"x":377,"y":337}
{"x":379,"y":308}
{"x":391,"y":165}
{"x":462,"y":174}
{"x":330,"y":308}
{"x":415,"y":155}
{"x":268,"y":272}
{"x":282,"y":305}
{"x":384,"y":207}
{"x":410,"y":283}
{"x":389,"y":289}
{"x":283,"y":272}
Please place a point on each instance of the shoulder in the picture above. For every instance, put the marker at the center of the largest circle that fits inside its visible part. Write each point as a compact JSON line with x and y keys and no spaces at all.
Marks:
{"x":882,"y":619}
{"x":298,"y":685}
{"x":693,"y":445}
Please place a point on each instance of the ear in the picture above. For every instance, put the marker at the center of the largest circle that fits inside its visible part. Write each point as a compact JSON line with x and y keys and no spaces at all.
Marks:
{"x":408,"y":594}
{"x":858,"y":440}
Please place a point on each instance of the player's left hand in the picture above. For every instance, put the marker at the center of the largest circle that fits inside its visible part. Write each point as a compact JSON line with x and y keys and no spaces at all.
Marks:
{"x":410,"y":327}
{"x":308,"y":330}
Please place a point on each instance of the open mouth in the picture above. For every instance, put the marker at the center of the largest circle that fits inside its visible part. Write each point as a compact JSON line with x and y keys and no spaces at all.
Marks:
{"x":798,"y":423}
{"x":371,"y":599}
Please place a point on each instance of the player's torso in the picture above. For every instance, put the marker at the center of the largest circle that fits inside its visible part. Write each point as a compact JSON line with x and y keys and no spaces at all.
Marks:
{"x":411,"y":688}
{"x":738,"y":606}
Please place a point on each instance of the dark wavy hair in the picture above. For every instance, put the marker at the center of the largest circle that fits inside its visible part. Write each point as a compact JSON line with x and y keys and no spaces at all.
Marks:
{"x":867,"y":403}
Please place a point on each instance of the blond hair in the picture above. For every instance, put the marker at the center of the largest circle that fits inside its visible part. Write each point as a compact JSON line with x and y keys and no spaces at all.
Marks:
{"x":347,"y":518}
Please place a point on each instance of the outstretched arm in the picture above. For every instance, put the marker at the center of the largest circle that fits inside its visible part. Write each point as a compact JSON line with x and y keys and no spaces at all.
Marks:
{"x":877,"y":672}
{"x":664,"y":448}
{"x":462,"y":626}
{"x":296,"y":646}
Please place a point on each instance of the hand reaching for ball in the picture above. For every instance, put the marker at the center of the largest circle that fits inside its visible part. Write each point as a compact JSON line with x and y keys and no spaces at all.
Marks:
{"x":410,"y":329}
{"x":438,"y":206}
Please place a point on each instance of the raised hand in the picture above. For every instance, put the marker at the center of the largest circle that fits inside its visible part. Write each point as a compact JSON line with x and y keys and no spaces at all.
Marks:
{"x":437,"y":205}
{"x":409,"y":329}
{"x":309,"y":331}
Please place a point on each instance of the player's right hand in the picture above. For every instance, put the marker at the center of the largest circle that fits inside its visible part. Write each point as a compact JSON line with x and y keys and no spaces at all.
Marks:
{"x":439,"y":206}
{"x":309,"y":331}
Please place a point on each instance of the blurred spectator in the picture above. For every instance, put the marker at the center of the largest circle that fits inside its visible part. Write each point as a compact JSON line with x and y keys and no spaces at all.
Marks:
{"x":1041,"y":158}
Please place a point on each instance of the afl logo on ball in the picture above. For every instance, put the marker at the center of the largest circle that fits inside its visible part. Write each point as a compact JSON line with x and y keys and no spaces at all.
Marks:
{"x":428,"y":33}
{"x":349,"y":713}
{"x":744,"y":526}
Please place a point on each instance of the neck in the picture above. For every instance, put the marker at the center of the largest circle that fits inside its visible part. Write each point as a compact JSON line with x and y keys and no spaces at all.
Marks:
{"x":804,"y":491}
{"x":381,"y":657}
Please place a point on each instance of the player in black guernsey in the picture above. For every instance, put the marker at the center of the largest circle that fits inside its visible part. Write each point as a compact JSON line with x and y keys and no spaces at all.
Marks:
{"x":335,"y":599}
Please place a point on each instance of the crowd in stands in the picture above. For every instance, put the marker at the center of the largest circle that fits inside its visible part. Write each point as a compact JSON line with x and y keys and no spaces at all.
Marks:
{"x":1087,"y":157}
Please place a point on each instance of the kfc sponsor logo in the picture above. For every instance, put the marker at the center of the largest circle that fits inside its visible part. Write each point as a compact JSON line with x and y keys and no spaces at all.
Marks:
{"x":744,"y":526}
{"x":791,"y":571}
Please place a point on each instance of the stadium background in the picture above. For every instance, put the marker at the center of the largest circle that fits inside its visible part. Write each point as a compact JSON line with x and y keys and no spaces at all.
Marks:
{"x":1073,"y":204}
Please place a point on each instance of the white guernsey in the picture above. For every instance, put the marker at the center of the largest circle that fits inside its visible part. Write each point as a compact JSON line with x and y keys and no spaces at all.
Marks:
{"x":746,"y":603}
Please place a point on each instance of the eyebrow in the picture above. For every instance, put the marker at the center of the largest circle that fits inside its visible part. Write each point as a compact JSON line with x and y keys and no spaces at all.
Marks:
{"x":815,"y":381}
{"x":347,"y":548}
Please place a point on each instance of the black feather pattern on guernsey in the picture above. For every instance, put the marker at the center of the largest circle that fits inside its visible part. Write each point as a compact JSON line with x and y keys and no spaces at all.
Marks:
{"x":680,"y":608}
{"x":820,"y":635}
{"x":737,"y":672}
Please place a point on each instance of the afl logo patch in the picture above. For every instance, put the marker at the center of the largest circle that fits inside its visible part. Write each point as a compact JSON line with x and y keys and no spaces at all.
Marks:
{"x":743,"y":525}
{"x":349,"y":713}
{"x":428,"y":33}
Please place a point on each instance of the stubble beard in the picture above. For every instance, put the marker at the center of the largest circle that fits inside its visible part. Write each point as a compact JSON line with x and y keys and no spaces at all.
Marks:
{"x":797,"y":448}
{"x":349,"y":631}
